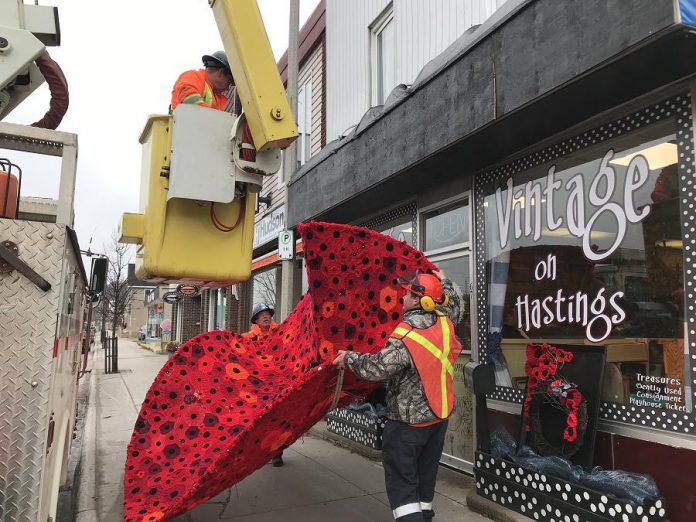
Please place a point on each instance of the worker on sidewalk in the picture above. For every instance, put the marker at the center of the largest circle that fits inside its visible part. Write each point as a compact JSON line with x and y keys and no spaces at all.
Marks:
{"x":418,"y":365}
{"x":213,"y":86}
{"x":262,"y":325}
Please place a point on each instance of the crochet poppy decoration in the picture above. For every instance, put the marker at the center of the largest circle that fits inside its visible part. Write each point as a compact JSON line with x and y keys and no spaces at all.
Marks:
{"x":546,"y":387}
{"x":223,"y":405}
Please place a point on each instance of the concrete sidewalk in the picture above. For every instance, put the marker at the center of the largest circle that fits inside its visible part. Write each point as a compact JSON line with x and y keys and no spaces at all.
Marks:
{"x":319,"y":481}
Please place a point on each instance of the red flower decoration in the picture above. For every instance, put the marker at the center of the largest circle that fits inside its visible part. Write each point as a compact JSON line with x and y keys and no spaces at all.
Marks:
{"x":542,"y":366}
{"x":572,"y":420}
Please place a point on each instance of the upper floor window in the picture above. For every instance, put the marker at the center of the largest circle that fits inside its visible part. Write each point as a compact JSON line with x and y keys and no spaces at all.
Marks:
{"x":304,"y":123}
{"x":383,"y":53}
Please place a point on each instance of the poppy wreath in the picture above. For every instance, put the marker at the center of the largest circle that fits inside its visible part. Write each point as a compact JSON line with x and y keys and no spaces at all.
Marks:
{"x":545,"y":386}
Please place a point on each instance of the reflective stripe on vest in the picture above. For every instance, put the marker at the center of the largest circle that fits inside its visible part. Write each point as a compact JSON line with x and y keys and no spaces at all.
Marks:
{"x":207,"y":94}
{"x":442,"y":355}
{"x":193,"y":87}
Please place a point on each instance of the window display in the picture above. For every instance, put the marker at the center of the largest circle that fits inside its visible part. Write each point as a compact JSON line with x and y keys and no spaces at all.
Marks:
{"x":587,"y":248}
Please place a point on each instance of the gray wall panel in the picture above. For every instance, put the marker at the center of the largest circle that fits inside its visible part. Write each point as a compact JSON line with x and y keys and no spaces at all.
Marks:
{"x":551,"y":42}
{"x":376,"y":154}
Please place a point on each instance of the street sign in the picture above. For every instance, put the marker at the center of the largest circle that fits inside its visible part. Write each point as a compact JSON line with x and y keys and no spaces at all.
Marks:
{"x":188,"y":290}
{"x":286,"y":245}
{"x":171,"y":297}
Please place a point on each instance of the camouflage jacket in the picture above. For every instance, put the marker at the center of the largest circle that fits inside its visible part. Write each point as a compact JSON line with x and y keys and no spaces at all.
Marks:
{"x":406,"y":400}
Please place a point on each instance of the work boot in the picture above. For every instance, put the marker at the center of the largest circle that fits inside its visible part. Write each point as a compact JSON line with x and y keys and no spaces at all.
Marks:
{"x":277,"y":461}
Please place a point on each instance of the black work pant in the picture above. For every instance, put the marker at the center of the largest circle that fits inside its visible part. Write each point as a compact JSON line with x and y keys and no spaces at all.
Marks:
{"x":411,"y":458}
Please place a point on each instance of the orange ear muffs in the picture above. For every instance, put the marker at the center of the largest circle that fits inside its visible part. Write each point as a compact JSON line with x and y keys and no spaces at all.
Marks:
{"x":427,"y":303}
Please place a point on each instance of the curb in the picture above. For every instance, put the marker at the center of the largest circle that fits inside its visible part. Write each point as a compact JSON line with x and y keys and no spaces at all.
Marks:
{"x":67,"y":496}
{"x":492,"y":510}
{"x":86,"y":507}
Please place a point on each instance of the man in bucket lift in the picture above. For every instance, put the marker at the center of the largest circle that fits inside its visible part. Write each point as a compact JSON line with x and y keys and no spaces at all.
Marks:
{"x":211,"y":87}
{"x":418,"y":365}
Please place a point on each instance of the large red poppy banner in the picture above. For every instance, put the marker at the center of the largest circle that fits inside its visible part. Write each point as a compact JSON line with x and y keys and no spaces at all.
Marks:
{"x":223,"y":405}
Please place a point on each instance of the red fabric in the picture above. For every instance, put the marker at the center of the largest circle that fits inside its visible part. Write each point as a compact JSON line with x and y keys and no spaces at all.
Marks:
{"x":430,"y":368}
{"x":223,"y":405}
{"x":248,"y":154}
{"x":542,"y":366}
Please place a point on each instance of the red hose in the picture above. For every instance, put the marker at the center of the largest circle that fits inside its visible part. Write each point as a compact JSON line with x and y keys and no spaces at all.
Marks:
{"x":220,"y":225}
{"x":58,"y":85}
{"x":247,"y":154}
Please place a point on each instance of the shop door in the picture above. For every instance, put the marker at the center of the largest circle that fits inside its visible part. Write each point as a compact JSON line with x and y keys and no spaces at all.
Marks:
{"x":446,"y":242}
{"x":459,"y":440}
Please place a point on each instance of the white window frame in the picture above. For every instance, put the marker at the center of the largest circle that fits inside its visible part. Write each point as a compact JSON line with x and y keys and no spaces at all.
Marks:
{"x":215,"y":295}
{"x":453,"y":251}
{"x":304,"y":122}
{"x":179,"y":321}
{"x":212,"y":302}
{"x":422,"y":214}
{"x":376,"y":29}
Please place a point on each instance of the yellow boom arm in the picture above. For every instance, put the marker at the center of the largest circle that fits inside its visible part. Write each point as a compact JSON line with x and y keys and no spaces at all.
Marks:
{"x":255,"y":73}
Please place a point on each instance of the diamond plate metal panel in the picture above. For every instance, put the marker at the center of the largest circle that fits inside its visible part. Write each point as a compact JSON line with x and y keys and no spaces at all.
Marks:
{"x":28,"y":325}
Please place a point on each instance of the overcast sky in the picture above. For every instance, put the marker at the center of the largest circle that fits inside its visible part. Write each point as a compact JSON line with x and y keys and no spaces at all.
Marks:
{"x":121,"y":60}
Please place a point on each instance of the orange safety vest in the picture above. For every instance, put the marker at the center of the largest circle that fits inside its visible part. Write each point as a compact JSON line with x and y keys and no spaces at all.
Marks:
{"x":434,"y":351}
{"x":255,"y":332}
{"x":192,"y":87}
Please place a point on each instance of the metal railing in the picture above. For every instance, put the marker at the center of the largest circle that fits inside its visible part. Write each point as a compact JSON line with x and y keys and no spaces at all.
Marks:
{"x":111,"y":355}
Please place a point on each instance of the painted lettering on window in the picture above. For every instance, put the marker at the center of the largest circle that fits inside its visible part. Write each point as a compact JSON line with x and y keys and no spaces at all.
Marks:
{"x":598,"y":313}
{"x":520,"y":212}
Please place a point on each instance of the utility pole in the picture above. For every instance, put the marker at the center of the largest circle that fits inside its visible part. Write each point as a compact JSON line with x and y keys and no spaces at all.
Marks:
{"x":290,"y":163}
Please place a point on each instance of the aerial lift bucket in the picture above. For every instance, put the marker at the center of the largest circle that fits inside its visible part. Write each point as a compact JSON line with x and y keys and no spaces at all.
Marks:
{"x":196,"y":199}
{"x":204,"y":241}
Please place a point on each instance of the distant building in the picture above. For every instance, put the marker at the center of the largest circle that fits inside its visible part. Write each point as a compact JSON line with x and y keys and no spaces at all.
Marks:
{"x":137,"y":312}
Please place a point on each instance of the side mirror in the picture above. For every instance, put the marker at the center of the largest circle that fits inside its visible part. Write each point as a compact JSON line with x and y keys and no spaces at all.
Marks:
{"x":97,"y":279}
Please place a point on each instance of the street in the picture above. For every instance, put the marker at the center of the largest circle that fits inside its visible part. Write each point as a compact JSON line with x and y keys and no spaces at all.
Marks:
{"x":319,"y":481}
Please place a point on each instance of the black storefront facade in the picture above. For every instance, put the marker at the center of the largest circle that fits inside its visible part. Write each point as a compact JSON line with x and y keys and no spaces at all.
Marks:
{"x":551,"y":151}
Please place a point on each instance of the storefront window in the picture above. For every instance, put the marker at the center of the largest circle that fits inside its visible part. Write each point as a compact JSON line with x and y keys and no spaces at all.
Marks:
{"x":447,"y":227}
{"x":399,"y":223}
{"x":587,"y":249}
{"x":400,"y":231}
